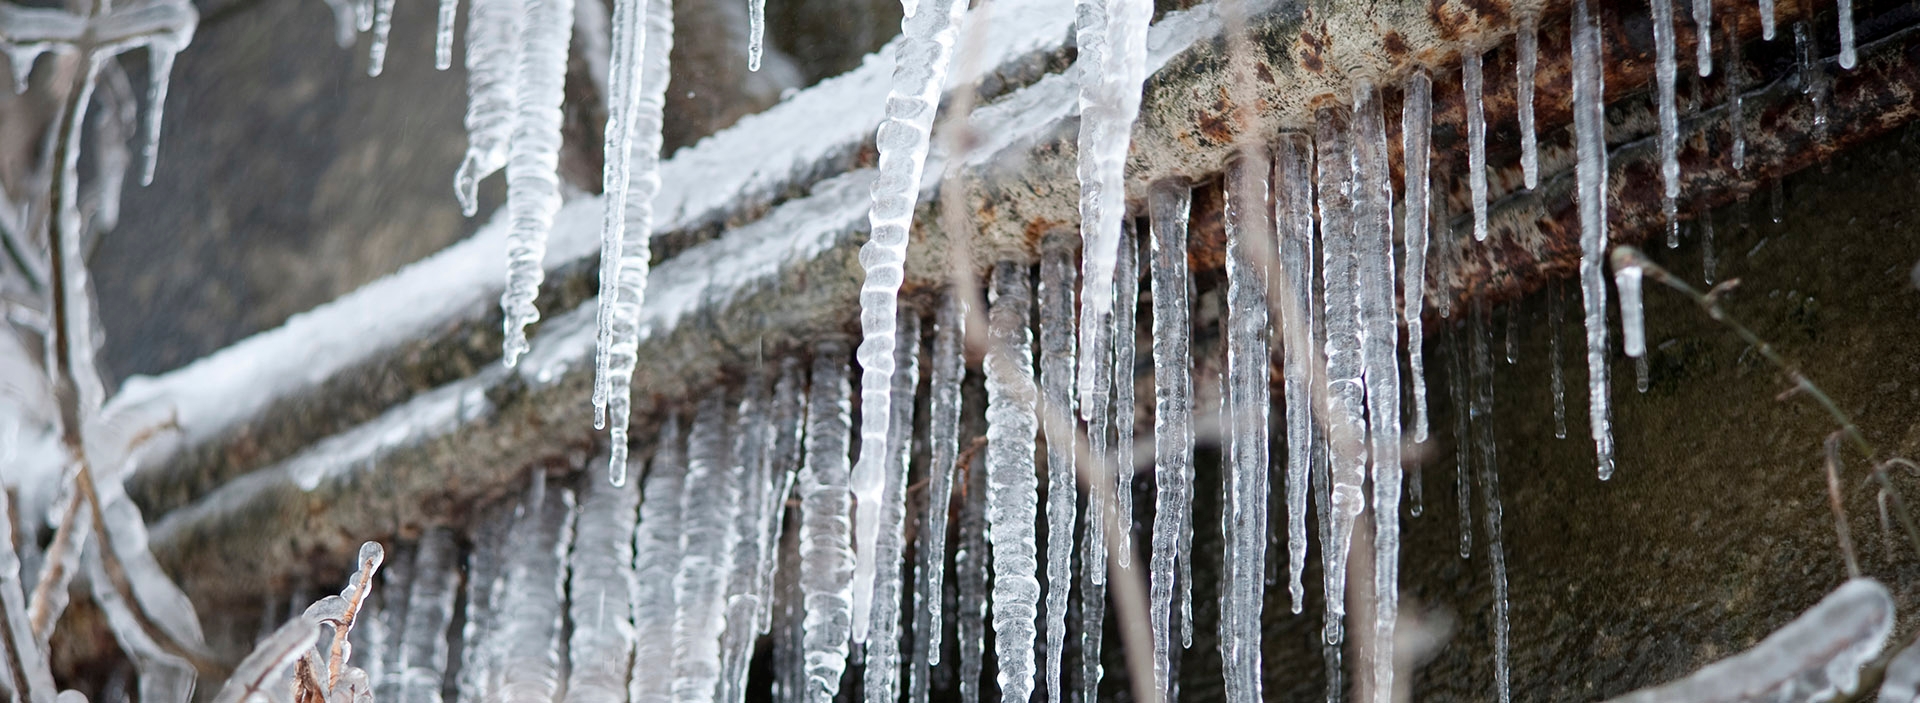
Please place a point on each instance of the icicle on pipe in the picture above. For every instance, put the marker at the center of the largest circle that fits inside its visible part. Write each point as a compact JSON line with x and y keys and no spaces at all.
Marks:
{"x":1483,"y":443}
{"x":970,"y":568}
{"x":919,"y":75}
{"x":756,"y":32}
{"x":1125,"y":321}
{"x":493,"y":82}
{"x":1058,"y":279}
{"x":1526,"y":50}
{"x":423,"y":638}
{"x":636,"y":251}
{"x":1844,"y":14}
{"x":1169,"y":204}
{"x":883,"y":647}
{"x":1589,"y":126}
{"x":443,"y":34}
{"x":533,"y":186}
{"x":1472,"y":84}
{"x":1249,"y":231}
{"x":1097,"y":406}
{"x":1379,"y":354}
{"x":623,"y":96}
{"x":1012,"y":487}
{"x":752,"y":434}
{"x":1346,"y":395}
{"x":826,"y":529}
{"x":1416,"y":132}
{"x":1665,"y":68}
{"x":1112,"y":40}
{"x":600,"y":594}
{"x":478,"y":659}
{"x":784,"y":457}
{"x":530,"y":594}
{"x":943,"y":446}
{"x":656,"y":558}
{"x":1293,"y":210}
{"x":708,"y":505}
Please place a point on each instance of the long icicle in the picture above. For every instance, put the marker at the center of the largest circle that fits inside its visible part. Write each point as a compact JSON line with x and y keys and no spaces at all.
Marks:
{"x":707,"y":512}
{"x":423,"y":638}
{"x":623,"y":97}
{"x":943,"y":446}
{"x":636,"y":249}
{"x":1736,"y":107}
{"x":533,"y":186}
{"x":919,"y":76}
{"x":1665,"y":68}
{"x":1483,"y":440}
{"x":656,"y":557}
{"x":1012,"y":488}
{"x":1416,"y":130}
{"x":970,"y":569}
{"x":530,"y":595}
{"x":756,"y":32}
{"x":826,"y":530}
{"x":1125,"y":330}
{"x":1379,"y":354}
{"x":600,"y":593}
{"x":1844,"y":15}
{"x":1293,"y":209}
{"x":1249,"y":238}
{"x":1057,"y":284}
{"x":1703,"y":36}
{"x":883,"y":647}
{"x":443,"y":34}
{"x":747,"y":594}
{"x":1346,"y":395}
{"x":1526,"y":50}
{"x":1169,"y":204}
{"x":1097,"y":407}
{"x":493,"y":82}
{"x":1590,"y":139}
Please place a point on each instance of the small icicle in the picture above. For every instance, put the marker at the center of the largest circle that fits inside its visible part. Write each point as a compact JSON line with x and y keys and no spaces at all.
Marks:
{"x":656,"y":558}
{"x":1736,"y":107}
{"x":1590,"y":138}
{"x":1471,"y":84}
{"x":1012,"y":486}
{"x":1556,"y":315}
{"x":1665,"y":72}
{"x":1513,"y":333}
{"x":1057,"y":283}
{"x":1526,"y":45}
{"x":382,"y":26}
{"x":943,"y":446}
{"x":883,"y":643}
{"x":600,"y":593}
{"x":1483,"y":439}
{"x":1640,"y":371}
{"x":756,"y":32}
{"x":533,"y":186}
{"x":160,"y":71}
{"x":1125,"y":328}
{"x":1293,"y":207}
{"x":1766,"y":20}
{"x":1703,"y":36}
{"x":1345,"y":392}
{"x":1844,"y":15}
{"x":1707,"y":261}
{"x":443,"y":35}
{"x":1248,"y":397}
{"x":1416,"y":128}
{"x":1458,"y":388}
{"x":1626,"y":277}
{"x":826,"y":529}
{"x":1776,"y":201}
{"x":1168,"y":205}
{"x":493,"y":81}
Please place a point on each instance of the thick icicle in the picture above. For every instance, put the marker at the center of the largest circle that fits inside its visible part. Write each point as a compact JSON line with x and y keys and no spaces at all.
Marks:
{"x":1346,"y":395}
{"x":1591,"y":145}
{"x":1844,"y":15}
{"x":1483,"y":443}
{"x":1472,"y":85}
{"x":970,"y":569}
{"x":635,"y":248}
{"x":423,"y":636}
{"x":919,"y":76}
{"x":1125,"y":320}
{"x":478,"y":658}
{"x":443,"y":34}
{"x":1736,"y":107}
{"x":756,"y":32}
{"x":533,"y":185}
{"x":383,"y":26}
{"x":1169,"y":205}
{"x":1379,"y":354}
{"x":1249,"y":232}
{"x":943,"y":446}
{"x":600,"y":593}
{"x":1416,"y":130}
{"x":1633,"y":325}
{"x":752,"y":433}
{"x":1556,"y":314}
{"x":1665,"y":71}
{"x":826,"y":529}
{"x":1012,"y":487}
{"x":883,"y":646}
{"x":493,"y":82}
{"x":1703,"y":36}
{"x":1526,"y":45}
{"x":529,"y":596}
{"x":1057,"y":283}
{"x":1293,"y":218}
{"x":656,"y":558}
{"x":708,"y":504}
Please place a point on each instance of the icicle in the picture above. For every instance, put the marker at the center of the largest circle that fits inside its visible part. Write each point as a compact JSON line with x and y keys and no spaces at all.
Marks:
{"x":1526,"y":45}
{"x":423,"y":636}
{"x":970,"y":568}
{"x":1703,"y":37}
{"x":1707,"y":262}
{"x":1057,"y":283}
{"x":883,"y":646}
{"x":1766,"y":20}
{"x":656,"y":558}
{"x":756,"y":32}
{"x":160,"y":70}
{"x":1626,"y":277}
{"x":22,"y":658}
{"x":493,"y":84}
{"x":1249,"y":231}
{"x":784,"y":457}
{"x":1416,"y":127}
{"x":600,"y":593}
{"x":1555,"y":315}
{"x":708,"y":504}
{"x":443,"y":35}
{"x":1664,"y":74}
{"x":616,"y":176}
{"x":533,"y":186}
{"x":919,"y":76}
{"x":1736,"y":109}
{"x":1125,"y":319}
{"x":1346,"y":395}
{"x":1169,"y":204}
{"x":262,"y":671}
{"x":1012,"y":488}
{"x":1640,"y":372}
{"x":1590,"y":140}
{"x":1483,"y":440}
{"x":943,"y":440}
{"x":529,"y":596}
{"x":1323,"y":502}
{"x":378,"y":637}
{"x":636,"y":237}
{"x":479,"y":659}
{"x":752,"y":435}
{"x":1844,"y":15}
{"x":826,"y":530}
{"x":1513,"y":333}
{"x":1097,"y":407}
{"x":1458,"y":390}
{"x":789,"y":664}
{"x":1472,"y":85}
{"x":383,"y":26}
{"x":1293,"y":209}
{"x":1380,"y":336}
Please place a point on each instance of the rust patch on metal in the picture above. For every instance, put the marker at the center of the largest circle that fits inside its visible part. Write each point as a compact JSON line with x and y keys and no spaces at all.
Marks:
{"x":1311,"y":48}
{"x":1396,"y":46}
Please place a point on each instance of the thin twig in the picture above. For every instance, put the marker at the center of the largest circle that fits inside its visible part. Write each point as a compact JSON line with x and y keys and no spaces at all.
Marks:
{"x":54,"y":575}
{"x":1832,"y":449}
